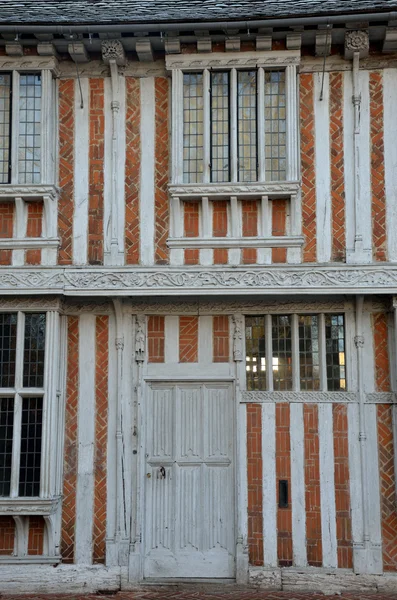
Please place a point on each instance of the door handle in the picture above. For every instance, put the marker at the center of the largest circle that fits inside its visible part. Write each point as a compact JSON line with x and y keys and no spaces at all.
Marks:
{"x":162,"y":473}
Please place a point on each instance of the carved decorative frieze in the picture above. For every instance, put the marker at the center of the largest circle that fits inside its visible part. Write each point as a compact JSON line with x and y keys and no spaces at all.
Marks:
{"x":30,"y":303}
{"x":29,"y":506}
{"x":317,"y":397}
{"x":233,"y":60}
{"x":140,"y":335}
{"x":235,"y":189}
{"x":29,"y":63}
{"x":29,"y":192}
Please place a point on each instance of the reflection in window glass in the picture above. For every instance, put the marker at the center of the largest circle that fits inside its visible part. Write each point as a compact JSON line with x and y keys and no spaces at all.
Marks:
{"x":309,"y":353}
{"x":8,"y":341}
{"x":255,"y":353}
{"x":275,"y":126}
{"x":29,"y":145}
{"x":29,"y":469}
{"x":33,"y":364}
{"x":5,"y":126}
{"x":220,"y":127}
{"x":246,"y":116}
{"x":6,"y":433}
{"x":193,"y":141}
{"x":282,"y":352}
{"x":335,"y":351}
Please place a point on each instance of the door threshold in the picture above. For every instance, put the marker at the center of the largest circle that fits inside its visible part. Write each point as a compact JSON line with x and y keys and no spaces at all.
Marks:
{"x":186,"y":581}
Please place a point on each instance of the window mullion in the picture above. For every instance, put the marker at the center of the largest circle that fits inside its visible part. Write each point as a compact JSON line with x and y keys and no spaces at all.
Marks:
{"x":15,"y":127}
{"x":292,"y":123}
{"x":269,"y":353}
{"x":295,"y":353}
{"x":322,"y":353}
{"x":16,"y":446}
{"x":177,"y":126}
{"x":261,"y":124}
{"x":206,"y":125}
{"x":233,"y":126}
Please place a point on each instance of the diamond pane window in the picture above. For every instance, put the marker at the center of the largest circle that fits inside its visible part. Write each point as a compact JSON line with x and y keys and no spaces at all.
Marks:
{"x":29,"y":146}
{"x":5,"y":127}
{"x":193,"y":127}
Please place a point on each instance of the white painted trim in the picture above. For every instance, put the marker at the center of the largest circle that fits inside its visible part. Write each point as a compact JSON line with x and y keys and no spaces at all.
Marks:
{"x":390,"y":154}
{"x":222,"y":60}
{"x":171,"y":344}
{"x":86,"y":441}
{"x":28,"y":243}
{"x":20,"y":224}
{"x":147,"y":192}
{"x":348,"y":134}
{"x":298,"y":486}
{"x":81,"y":173}
{"x":111,"y":454}
{"x":269,"y":485}
{"x":220,"y":190}
{"x":236,"y":242}
{"x":205,"y":341}
{"x":108,"y":174}
{"x":327,"y":486}
{"x":323,"y":168}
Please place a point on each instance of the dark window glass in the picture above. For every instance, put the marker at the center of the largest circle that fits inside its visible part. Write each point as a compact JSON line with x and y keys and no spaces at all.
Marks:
{"x":33,"y":364}
{"x":29,"y":144}
{"x":8,"y":340}
{"x":246,"y":117}
{"x":309,"y":353}
{"x":275,"y":126}
{"x":282,"y":352}
{"x":193,"y":129}
{"x":29,"y":470}
{"x":255,"y":344}
{"x":5,"y":127}
{"x":6,"y":433}
{"x":335,"y":352}
{"x":220,"y":127}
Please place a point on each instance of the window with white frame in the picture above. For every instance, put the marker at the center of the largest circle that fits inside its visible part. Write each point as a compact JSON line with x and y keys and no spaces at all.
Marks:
{"x":22,"y":390}
{"x":234,"y":124}
{"x":26,"y":119}
{"x":296,"y":352}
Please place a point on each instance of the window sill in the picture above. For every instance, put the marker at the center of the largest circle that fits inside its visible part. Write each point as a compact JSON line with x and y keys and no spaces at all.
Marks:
{"x":240,"y":242}
{"x":29,"y":506}
{"x":29,"y":191}
{"x":248,"y":190}
{"x":30,"y":560}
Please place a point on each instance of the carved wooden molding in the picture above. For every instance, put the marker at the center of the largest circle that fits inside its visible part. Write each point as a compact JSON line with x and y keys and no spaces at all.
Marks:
{"x":317,"y":397}
{"x":29,"y":304}
{"x":231,"y":242}
{"x":223,"y":60}
{"x":286,"y":188}
{"x":228,"y":307}
{"x":29,"y":506}
{"x":29,"y":63}
{"x":28,"y":192}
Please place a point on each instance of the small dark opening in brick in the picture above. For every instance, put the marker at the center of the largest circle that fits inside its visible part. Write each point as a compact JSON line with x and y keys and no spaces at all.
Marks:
{"x":283,"y":493}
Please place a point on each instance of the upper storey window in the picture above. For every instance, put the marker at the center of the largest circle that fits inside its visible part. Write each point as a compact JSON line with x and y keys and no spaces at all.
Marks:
{"x":259,"y":119}
{"x":235,"y":118}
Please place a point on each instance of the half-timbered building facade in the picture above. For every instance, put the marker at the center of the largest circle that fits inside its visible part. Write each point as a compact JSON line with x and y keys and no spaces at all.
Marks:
{"x":198,"y":294}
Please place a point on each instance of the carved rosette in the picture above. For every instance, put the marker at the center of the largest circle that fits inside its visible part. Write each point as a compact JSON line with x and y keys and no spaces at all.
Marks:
{"x":140,"y":338}
{"x":113,"y":50}
{"x":238,"y":338}
{"x":356,"y":41}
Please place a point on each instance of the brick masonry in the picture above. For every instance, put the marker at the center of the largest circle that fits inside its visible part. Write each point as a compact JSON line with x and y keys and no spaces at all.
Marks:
{"x":70,"y":452}
{"x":283,"y":472}
{"x":342,"y":487}
{"x":377,"y":167}
{"x":221,"y":338}
{"x":6,"y":229}
{"x":337,"y":167}
{"x":279,"y":227}
{"x":96,"y":172}
{"x":191,"y":230}
{"x":308,"y":167}
{"x":101,"y":430}
{"x":156,"y":338}
{"x":162,"y":216}
{"x":381,"y":352}
{"x":219,"y":229}
{"x":34,"y":230}
{"x":7,"y":535}
{"x":312,"y":486}
{"x":36,"y":536}
{"x":188,"y":339}
{"x":66,"y":172}
{"x":255,"y":487}
{"x":250,"y":229}
{"x":132,"y":169}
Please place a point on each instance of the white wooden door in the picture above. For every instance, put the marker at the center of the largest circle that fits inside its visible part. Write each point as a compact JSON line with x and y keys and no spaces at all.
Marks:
{"x":189,"y":495}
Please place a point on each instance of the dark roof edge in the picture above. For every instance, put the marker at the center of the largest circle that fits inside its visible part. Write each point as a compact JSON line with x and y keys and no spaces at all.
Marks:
{"x":207,"y":25}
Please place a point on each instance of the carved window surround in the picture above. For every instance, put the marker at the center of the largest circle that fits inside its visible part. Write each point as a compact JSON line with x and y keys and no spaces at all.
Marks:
{"x":49,"y":242}
{"x":317,"y":397}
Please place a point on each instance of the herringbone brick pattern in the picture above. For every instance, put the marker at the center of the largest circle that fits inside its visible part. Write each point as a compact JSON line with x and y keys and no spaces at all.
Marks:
{"x":36,"y":536}
{"x":101,"y":418}
{"x":220,"y":329}
{"x":70,"y":456}
{"x":219,"y":229}
{"x":337,"y":168}
{"x":6,"y":229}
{"x":191,"y":229}
{"x":162,"y":216}
{"x":342,"y":487}
{"x":312,"y":483}
{"x":34,"y":230}
{"x":66,"y":173}
{"x":381,"y":348}
{"x":255,"y":487}
{"x":132,"y":164}
{"x":156,"y":338}
{"x":377,"y":166}
{"x":96,"y":172}
{"x":207,"y":592}
{"x":188,"y":339}
{"x":250,"y":229}
{"x":283,"y":472}
{"x":387,"y":487}
{"x":7,"y":535}
{"x":308,"y":167}
{"x":279,"y":223}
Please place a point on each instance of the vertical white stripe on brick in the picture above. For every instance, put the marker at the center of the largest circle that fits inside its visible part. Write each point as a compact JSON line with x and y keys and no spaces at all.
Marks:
{"x":205,"y":340}
{"x":390,"y":137}
{"x":374,"y":521}
{"x":171,"y":342}
{"x":365,"y":212}
{"x":111,"y":455}
{"x":86,"y":440}
{"x":348,"y":142}
{"x":120,"y":168}
{"x":107,"y":171}
{"x":269,"y":484}
{"x":355,"y":473}
{"x":146,"y":196}
{"x":327,"y":486}
{"x":323,"y":168}
{"x":81,"y":173}
{"x":298,"y":485}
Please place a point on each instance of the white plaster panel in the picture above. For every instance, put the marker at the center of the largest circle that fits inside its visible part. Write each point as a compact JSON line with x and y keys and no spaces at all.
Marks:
{"x":107,"y":170}
{"x":348,"y":144}
{"x":327,"y":486}
{"x":323,"y":169}
{"x":81,"y":173}
{"x":171,"y":344}
{"x":205,"y":343}
{"x":146,"y":197}
{"x":374,"y":510}
{"x":269,"y":484}
{"x":298,"y":485}
{"x":111,"y":456}
{"x":365,"y":212}
{"x":390,"y":147}
{"x":356,"y":498}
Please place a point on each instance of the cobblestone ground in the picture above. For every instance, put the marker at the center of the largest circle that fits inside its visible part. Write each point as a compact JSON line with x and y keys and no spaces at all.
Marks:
{"x":200,"y":593}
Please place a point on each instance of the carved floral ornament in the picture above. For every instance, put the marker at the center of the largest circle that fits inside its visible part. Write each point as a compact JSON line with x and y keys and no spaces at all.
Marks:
{"x":112,"y":50}
{"x":356,"y":41}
